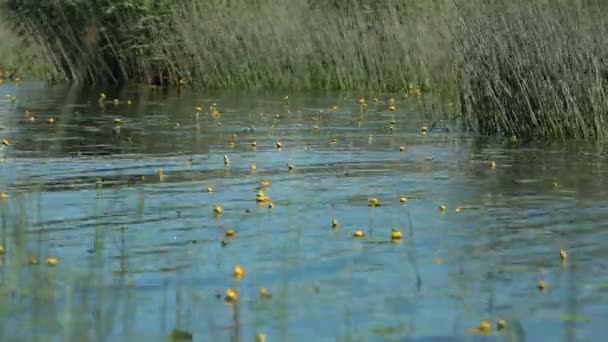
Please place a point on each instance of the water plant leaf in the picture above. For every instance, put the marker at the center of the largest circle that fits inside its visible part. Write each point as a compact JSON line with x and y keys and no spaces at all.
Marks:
{"x":575,"y":318}
{"x":180,"y":335}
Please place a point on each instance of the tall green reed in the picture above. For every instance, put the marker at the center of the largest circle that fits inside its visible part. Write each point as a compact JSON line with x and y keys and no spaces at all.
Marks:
{"x":532,"y":69}
{"x":529,"y":69}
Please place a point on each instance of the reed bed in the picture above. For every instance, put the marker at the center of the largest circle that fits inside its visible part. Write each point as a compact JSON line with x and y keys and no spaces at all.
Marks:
{"x":521,"y":69}
{"x":534,"y":70}
{"x":20,"y":52}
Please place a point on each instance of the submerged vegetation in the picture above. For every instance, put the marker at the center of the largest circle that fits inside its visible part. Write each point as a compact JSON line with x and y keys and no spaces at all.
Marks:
{"x":522,"y":69}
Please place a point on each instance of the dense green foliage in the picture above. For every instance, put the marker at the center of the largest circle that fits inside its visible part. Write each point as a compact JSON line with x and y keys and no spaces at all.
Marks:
{"x":533,"y":69}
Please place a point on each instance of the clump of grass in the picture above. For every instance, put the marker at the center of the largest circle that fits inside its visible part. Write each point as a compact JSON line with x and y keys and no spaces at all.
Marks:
{"x":533,"y":69}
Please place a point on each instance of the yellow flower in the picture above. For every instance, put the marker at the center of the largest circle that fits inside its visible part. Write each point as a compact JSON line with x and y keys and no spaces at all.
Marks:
{"x":373,"y":202}
{"x":239,"y":272}
{"x":335,"y":224}
{"x":264,"y":293}
{"x":231,"y":295}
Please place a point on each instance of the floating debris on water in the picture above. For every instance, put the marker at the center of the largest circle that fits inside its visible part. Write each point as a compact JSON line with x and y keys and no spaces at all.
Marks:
{"x":217,"y":209}
{"x":51,"y":261}
{"x":335,"y":224}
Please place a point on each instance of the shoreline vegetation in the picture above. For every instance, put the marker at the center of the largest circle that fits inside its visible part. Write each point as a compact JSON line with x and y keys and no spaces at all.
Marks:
{"x":519,"y":69}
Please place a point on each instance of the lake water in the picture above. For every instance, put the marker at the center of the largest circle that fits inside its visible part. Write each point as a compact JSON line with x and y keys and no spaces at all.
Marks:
{"x":139,"y":255}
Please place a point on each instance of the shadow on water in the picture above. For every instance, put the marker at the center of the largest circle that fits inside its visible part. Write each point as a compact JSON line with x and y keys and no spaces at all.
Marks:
{"x":140,"y":253}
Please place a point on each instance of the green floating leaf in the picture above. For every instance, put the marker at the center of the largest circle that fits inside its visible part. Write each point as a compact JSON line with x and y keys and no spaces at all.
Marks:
{"x":377,"y":242}
{"x":515,"y":268}
{"x":180,"y":335}
{"x":575,"y":318}
{"x":601,"y":287}
{"x":388,"y":331}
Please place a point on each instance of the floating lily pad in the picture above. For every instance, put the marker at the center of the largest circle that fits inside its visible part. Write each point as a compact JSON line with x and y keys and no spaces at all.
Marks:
{"x":180,"y":335}
{"x":515,"y":268}
{"x":377,"y":242}
{"x":390,"y":331}
{"x":575,"y":318}
{"x":600,"y":287}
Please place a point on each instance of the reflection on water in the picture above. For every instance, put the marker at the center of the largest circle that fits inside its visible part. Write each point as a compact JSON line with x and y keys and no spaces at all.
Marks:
{"x":140,"y":255}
